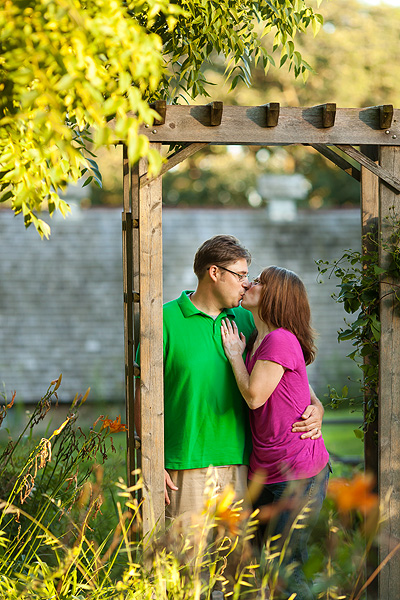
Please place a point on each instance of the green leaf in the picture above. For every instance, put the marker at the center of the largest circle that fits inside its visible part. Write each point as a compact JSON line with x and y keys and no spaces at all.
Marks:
{"x":379,"y":270}
{"x":88,"y":181}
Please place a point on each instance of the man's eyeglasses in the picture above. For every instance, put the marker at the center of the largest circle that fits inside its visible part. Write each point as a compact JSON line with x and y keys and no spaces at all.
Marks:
{"x":256,"y":280}
{"x":238,"y":275}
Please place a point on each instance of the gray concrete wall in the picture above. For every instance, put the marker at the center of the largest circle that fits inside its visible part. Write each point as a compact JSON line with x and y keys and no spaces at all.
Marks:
{"x":61,"y":308}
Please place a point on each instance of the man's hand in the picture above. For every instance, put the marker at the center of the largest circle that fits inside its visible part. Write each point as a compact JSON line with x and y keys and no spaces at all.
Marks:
{"x":311,"y":424}
{"x":168,"y":482}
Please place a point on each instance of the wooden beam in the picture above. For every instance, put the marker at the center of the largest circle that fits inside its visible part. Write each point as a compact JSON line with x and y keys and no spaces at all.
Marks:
{"x":127,"y":264}
{"x":272,"y":112}
{"x":151,"y":348}
{"x":338,"y":160}
{"x":389,"y":178}
{"x":369,"y":231}
{"x":389,"y":392}
{"x":135,"y":181}
{"x":173,"y":160}
{"x":246,"y":125}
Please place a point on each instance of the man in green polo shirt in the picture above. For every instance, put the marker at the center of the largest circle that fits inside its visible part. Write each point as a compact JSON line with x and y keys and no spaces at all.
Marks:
{"x":206,"y":420}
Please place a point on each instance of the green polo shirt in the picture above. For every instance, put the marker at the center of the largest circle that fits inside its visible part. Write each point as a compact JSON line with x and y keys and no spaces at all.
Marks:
{"x":206,"y":418}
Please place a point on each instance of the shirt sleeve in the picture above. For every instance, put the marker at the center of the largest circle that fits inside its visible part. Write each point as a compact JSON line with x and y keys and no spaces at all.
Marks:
{"x":282,"y":347}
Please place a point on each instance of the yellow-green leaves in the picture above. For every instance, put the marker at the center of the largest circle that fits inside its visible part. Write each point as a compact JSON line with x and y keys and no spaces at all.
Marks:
{"x":234,"y":31}
{"x":66,"y":68}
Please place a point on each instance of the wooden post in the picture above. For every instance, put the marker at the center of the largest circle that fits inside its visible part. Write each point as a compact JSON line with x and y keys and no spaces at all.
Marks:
{"x":389,"y":393}
{"x":369,"y":228}
{"x":369,"y":232}
{"x":149,"y":199}
{"x":127,"y":258}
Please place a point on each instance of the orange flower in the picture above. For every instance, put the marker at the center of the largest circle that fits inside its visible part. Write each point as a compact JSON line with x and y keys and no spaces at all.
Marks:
{"x":221,"y":507}
{"x":114,"y":426}
{"x":353,"y":494}
{"x":10,"y":404}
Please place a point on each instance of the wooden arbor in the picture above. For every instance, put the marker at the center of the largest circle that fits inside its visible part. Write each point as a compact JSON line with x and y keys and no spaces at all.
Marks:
{"x":376,"y":131}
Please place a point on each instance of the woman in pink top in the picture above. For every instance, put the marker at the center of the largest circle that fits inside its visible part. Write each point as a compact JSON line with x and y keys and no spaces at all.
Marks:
{"x":274,"y":383}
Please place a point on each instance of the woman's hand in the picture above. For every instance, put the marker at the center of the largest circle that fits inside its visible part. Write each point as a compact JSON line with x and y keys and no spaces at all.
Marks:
{"x":234,"y":344}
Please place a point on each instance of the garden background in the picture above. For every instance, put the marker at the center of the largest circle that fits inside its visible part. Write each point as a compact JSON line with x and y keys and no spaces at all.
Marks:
{"x":61,"y":299}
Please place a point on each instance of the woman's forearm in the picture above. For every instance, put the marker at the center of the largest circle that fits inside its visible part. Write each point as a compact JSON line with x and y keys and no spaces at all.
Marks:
{"x":242,"y":378}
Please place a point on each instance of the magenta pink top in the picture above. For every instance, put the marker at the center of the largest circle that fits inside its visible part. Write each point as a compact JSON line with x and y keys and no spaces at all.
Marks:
{"x":278,"y":452}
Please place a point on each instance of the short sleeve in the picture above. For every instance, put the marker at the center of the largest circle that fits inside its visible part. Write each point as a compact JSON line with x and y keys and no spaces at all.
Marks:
{"x":281,"y":346}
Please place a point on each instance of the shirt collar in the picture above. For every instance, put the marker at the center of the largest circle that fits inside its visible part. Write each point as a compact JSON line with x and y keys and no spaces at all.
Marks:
{"x":189,"y":309}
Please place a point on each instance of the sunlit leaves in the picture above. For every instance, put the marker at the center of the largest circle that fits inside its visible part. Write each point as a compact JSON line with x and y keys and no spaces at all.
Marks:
{"x":234,"y":31}
{"x":67,"y":66}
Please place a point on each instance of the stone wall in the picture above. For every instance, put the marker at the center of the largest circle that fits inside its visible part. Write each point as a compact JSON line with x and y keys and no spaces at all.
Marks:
{"x":61,"y":308}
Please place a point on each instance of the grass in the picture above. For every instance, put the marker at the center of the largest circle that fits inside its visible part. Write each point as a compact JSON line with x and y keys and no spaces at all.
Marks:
{"x":340,"y":439}
{"x":64,"y":522}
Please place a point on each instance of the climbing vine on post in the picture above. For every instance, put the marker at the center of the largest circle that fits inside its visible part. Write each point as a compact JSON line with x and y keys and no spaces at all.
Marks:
{"x":359,"y":277}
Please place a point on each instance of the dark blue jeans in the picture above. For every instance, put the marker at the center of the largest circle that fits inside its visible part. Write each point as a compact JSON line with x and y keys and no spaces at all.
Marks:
{"x":306,"y":497}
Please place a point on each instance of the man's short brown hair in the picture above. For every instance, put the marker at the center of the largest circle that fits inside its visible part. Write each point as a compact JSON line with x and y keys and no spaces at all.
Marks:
{"x":219,"y":250}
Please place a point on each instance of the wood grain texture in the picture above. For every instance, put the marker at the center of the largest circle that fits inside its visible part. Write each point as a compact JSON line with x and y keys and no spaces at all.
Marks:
{"x":389,"y":401}
{"x":151,"y":349}
{"x":390,"y":179}
{"x":300,"y":125}
{"x":338,"y":160}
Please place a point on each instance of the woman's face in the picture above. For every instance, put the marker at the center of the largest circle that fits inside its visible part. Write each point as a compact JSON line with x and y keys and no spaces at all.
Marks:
{"x":252,"y":297}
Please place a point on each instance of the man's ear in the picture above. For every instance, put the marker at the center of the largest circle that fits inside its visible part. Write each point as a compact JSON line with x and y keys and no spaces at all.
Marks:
{"x":213,"y":272}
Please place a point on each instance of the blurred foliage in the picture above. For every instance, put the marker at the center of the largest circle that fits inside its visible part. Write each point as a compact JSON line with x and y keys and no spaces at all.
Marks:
{"x":228,"y":176}
{"x":68,"y":66}
{"x":351,"y":58}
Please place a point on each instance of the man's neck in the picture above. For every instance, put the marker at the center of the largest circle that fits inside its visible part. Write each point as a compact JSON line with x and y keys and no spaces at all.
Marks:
{"x":206,"y":303}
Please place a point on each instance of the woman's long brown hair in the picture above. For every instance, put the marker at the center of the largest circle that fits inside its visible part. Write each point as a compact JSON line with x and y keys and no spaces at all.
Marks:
{"x":284,"y":303}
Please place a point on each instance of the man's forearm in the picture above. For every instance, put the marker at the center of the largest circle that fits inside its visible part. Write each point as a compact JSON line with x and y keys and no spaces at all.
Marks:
{"x":315,"y":401}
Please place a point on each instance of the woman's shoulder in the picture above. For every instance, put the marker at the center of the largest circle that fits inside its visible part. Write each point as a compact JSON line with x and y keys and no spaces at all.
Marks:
{"x":281,"y":333}
{"x":282,"y":338}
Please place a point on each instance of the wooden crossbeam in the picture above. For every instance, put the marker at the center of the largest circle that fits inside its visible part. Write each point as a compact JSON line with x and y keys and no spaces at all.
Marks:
{"x":382,"y":173}
{"x":247,"y":125}
{"x":338,"y":160}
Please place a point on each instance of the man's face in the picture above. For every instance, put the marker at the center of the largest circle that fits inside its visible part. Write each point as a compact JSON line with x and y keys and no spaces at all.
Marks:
{"x":232,"y":283}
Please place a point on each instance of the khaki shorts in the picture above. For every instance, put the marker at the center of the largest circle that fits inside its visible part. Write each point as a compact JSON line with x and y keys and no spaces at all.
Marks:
{"x":190,"y":497}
